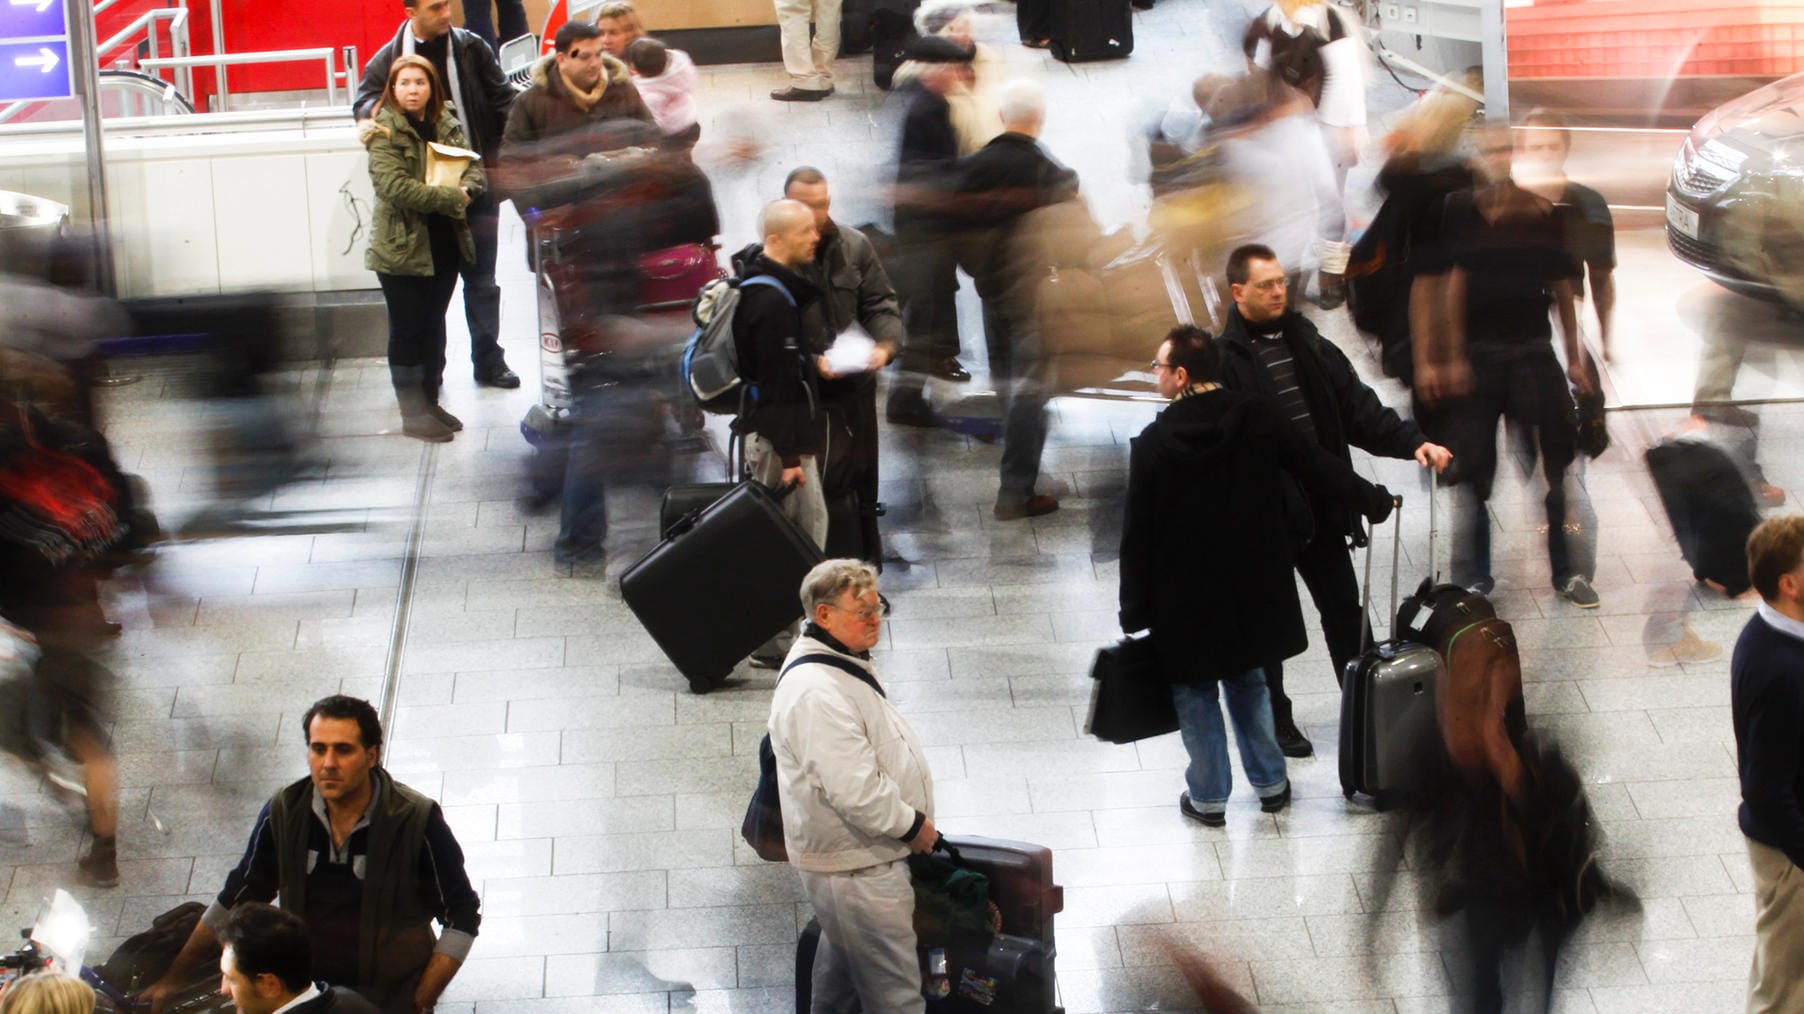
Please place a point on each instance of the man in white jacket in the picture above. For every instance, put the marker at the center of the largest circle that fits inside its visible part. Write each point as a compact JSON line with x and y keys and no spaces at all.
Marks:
{"x":857,"y":797}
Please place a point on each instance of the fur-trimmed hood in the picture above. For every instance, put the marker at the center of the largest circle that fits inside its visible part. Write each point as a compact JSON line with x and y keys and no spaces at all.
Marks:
{"x":614,"y":71}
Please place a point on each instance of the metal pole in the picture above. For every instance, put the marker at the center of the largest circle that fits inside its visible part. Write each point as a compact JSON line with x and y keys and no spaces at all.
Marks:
{"x":1495,"y":53}
{"x":216,"y":17}
{"x":86,"y":72}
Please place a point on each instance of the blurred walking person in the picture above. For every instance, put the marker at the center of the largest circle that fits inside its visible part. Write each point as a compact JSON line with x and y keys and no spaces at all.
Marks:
{"x":419,"y":239}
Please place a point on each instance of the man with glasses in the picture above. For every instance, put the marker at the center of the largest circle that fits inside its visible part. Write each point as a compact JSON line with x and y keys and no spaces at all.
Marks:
{"x":574,"y":91}
{"x":857,"y":796}
{"x":1270,"y":349}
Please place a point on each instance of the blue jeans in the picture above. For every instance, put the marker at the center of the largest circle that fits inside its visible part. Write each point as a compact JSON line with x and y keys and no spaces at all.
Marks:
{"x":1209,"y":780}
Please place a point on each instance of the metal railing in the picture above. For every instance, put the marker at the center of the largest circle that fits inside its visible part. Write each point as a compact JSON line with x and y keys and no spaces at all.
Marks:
{"x":305,"y":119}
{"x":221,"y":61}
{"x":178,"y":40}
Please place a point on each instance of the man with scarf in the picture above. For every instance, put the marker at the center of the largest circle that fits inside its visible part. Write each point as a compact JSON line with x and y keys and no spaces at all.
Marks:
{"x":482,"y":96}
{"x":1270,"y":349}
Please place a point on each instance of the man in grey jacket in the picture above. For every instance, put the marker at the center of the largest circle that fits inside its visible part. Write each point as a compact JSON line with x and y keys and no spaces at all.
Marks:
{"x":857,"y":797}
{"x":855,"y":292}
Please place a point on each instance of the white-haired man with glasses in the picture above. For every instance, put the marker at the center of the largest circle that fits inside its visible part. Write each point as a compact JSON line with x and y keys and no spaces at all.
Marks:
{"x":856,"y":793}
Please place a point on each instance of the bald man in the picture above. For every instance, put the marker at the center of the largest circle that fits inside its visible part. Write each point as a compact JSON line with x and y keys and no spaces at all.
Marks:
{"x":783,"y":439}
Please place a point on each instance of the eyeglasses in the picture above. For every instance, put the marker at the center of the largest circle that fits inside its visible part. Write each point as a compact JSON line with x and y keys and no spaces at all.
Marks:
{"x":865,"y":615}
{"x":1156,"y":366}
{"x":1271,"y":283}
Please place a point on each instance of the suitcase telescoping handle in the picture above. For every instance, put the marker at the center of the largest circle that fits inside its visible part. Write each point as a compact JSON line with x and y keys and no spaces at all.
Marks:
{"x":1365,"y":599}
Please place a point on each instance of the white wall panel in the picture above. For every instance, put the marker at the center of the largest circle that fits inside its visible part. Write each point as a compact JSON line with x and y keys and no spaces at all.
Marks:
{"x":340,"y":212}
{"x":261,"y":206}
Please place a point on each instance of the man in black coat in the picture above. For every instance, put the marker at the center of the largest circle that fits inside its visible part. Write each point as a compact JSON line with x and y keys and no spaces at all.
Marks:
{"x":266,"y":967}
{"x":1205,"y":564}
{"x":998,"y":184}
{"x":927,"y":275}
{"x":1271,"y":350}
{"x":472,"y":79}
{"x":782,"y":430}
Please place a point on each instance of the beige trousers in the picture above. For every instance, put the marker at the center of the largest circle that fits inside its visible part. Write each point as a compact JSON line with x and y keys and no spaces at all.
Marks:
{"x":1776,"y":978}
{"x":809,"y":62}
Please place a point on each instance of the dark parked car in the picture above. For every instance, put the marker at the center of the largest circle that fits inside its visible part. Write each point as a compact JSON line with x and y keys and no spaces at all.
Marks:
{"x":1735,"y":203}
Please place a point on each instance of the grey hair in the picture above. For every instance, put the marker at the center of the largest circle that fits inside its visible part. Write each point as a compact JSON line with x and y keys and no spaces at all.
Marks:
{"x":932,"y":17}
{"x":1021,"y":100}
{"x":832,"y":578}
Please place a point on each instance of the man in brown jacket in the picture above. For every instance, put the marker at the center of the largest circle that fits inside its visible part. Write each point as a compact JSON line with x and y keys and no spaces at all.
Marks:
{"x":554,"y":123}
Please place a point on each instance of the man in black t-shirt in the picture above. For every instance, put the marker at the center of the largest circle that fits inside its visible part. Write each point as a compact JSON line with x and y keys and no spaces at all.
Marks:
{"x":1502,"y":263}
{"x":1539,"y":166}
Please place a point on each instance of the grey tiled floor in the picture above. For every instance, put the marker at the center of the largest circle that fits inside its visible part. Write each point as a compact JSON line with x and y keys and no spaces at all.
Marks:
{"x":598,"y":802}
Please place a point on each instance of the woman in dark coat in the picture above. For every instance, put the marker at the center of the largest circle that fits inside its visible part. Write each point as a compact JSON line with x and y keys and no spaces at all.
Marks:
{"x":419,"y":238}
{"x":1206,"y":551}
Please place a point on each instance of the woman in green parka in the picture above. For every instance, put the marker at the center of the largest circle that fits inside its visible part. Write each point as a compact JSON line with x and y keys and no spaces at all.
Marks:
{"x":419,"y":237}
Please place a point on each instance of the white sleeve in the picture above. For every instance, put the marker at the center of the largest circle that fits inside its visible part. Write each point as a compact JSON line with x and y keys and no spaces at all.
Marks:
{"x":1343,"y":77}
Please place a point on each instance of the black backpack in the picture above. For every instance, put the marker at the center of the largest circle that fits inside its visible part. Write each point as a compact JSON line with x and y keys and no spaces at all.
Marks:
{"x":144,"y":957}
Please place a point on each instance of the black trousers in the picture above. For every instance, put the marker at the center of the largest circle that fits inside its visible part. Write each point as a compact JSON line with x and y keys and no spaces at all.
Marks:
{"x":1033,"y":19}
{"x":1326,"y":566}
{"x":482,"y":294}
{"x":416,"y":320}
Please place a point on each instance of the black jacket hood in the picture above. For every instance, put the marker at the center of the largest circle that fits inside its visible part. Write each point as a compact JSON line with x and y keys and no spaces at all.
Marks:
{"x":1192,"y":430}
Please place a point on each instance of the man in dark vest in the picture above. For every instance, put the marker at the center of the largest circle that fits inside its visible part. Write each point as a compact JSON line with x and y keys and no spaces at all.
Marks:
{"x":348,"y":849}
{"x":1270,"y":349}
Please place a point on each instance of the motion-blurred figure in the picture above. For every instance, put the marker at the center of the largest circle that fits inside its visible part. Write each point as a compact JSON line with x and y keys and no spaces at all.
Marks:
{"x":1501,"y":264}
{"x":1277,"y":154}
{"x":927,"y":275}
{"x":1767,"y":704}
{"x":973,"y":102}
{"x":997,"y":191}
{"x":1316,"y":47}
{"x":1424,"y":164}
{"x":1539,"y":166}
{"x":62,"y":513}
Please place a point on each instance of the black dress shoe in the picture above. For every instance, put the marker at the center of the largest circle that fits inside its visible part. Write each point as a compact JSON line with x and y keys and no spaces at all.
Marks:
{"x":950,"y":369}
{"x":1292,"y":742}
{"x":1274,"y":803}
{"x":501,"y":376}
{"x":1188,"y":809}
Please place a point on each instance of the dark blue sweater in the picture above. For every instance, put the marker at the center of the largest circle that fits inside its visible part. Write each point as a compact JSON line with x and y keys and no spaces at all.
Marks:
{"x":1767,"y":702}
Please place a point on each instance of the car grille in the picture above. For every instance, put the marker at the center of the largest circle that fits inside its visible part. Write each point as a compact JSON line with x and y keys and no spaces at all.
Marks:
{"x":1694,"y":176}
{"x":1695,"y":251}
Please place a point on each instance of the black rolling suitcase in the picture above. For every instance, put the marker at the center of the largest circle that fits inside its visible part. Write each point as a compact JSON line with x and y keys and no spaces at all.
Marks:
{"x":1389,"y":728}
{"x":721,"y":585}
{"x":1710,"y":505}
{"x":1085,"y":30}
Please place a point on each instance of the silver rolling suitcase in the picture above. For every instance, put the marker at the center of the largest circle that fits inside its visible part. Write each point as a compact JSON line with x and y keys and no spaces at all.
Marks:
{"x":1389,"y":729}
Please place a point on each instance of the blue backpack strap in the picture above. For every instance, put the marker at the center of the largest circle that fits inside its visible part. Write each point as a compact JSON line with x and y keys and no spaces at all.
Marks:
{"x":819,"y":658}
{"x":772,"y":282}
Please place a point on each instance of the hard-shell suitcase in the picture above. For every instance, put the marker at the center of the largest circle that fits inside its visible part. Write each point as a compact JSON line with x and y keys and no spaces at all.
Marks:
{"x":1091,"y":30}
{"x":717,"y":588}
{"x":670,"y":278}
{"x":1710,"y":505}
{"x":1388,"y":724}
{"x":1012,"y":970}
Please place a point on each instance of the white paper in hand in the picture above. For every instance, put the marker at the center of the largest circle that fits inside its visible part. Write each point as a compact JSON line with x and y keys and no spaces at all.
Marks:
{"x":851,"y":352}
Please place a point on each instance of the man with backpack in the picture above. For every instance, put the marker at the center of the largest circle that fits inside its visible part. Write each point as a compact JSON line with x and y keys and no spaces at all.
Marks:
{"x":782,"y":372}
